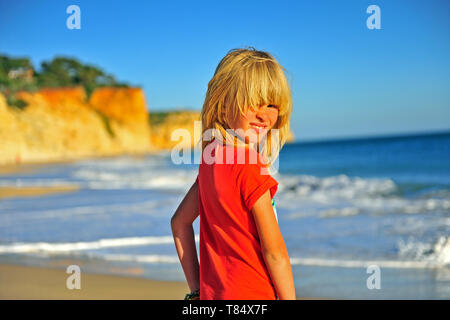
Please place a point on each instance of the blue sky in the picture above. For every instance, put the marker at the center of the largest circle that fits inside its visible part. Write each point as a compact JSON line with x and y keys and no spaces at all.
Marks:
{"x":346,"y":80}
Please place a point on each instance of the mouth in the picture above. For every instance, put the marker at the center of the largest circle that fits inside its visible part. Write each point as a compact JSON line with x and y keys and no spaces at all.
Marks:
{"x":259,"y":128}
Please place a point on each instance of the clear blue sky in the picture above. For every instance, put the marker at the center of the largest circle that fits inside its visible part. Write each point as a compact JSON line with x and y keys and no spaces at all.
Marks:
{"x":346,"y":80}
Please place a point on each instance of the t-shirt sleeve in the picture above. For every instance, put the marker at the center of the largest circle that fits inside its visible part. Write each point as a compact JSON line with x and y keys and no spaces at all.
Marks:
{"x":254,"y":182}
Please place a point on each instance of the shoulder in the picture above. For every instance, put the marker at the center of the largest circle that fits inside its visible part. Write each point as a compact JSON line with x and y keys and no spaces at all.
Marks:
{"x":255,"y":163}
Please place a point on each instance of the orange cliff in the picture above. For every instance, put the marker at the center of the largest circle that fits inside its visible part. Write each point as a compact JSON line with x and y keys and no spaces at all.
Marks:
{"x":60,"y":124}
{"x":168,"y":123}
{"x":127,"y":112}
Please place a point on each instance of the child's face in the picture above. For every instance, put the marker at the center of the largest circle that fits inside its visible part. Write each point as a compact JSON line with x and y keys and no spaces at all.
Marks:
{"x":256,"y":124}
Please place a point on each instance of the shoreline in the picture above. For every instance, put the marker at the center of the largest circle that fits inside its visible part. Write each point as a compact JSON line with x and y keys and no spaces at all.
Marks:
{"x":29,"y":166}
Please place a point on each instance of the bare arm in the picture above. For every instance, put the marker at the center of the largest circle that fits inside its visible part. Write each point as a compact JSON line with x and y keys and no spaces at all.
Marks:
{"x":183,"y":235}
{"x":274,"y":249}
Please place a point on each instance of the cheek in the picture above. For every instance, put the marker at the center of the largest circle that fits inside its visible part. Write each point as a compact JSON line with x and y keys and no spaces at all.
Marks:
{"x":273,"y":117}
{"x":249,"y":117}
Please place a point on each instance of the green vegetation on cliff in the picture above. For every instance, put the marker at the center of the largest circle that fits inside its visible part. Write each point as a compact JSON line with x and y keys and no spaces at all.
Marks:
{"x":19,"y":74}
{"x":160,"y":117}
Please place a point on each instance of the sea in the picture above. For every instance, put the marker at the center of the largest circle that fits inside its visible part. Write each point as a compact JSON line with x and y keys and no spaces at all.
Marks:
{"x":362,"y":218}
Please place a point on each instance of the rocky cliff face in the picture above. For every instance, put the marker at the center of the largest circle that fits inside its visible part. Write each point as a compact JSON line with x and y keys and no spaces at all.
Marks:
{"x":61,"y":124}
{"x":163,"y":124}
{"x":127,"y":112}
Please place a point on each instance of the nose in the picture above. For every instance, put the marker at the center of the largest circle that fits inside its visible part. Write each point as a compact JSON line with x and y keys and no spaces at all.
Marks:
{"x":262,"y":116}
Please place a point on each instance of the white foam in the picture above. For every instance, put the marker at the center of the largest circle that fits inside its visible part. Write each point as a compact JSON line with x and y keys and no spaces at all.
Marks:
{"x":365,"y":263}
{"x":161,"y":179}
{"x":340,"y":186}
{"x":68,"y":247}
{"x":438,"y":252}
{"x":336,"y":212}
{"x":142,"y":258}
{"x":412,"y":255}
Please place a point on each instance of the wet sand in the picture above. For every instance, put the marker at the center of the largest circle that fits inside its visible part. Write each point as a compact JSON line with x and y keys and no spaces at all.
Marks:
{"x":30,"y":283}
{"x":11,"y":192}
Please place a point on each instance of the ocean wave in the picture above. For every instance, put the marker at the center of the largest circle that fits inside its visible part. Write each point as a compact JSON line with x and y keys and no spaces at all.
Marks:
{"x":142,"y":258}
{"x":163,"y":179}
{"x":340,"y":186}
{"x":365,"y":263}
{"x":68,"y":247}
{"x":437,"y":252}
{"x":342,"y":196}
{"x":411,"y":255}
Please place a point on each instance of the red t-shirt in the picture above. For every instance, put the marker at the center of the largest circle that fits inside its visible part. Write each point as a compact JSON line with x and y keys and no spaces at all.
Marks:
{"x":232,"y":266}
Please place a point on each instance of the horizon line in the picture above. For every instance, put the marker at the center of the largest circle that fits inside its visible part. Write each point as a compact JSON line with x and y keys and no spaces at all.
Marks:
{"x":371,"y":136}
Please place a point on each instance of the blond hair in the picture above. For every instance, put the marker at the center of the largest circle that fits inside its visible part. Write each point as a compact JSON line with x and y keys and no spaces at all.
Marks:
{"x":247,"y":78}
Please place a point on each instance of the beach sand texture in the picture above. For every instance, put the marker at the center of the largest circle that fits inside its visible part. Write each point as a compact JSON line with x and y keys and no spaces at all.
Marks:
{"x":6,"y":192}
{"x":31,"y":283}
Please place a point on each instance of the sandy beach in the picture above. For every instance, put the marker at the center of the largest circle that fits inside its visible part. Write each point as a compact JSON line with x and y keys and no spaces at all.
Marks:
{"x":9,"y":192}
{"x":29,"y":283}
